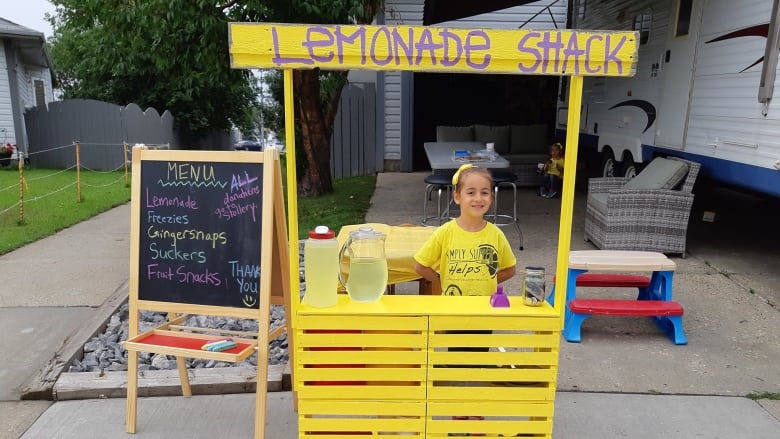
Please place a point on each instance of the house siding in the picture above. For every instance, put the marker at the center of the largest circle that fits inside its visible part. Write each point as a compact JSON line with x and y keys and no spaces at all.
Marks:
{"x":7,"y":133}
{"x":397,"y":12}
{"x":410,"y":13}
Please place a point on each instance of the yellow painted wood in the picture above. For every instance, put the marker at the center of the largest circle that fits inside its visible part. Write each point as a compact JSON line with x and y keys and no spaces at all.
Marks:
{"x":362,"y":357}
{"x":503,"y":408}
{"x":529,"y":374}
{"x":364,"y":407}
{"x":403,"y":305}
{"x":390,"y":354}
{"x":517,"y":51}
{"x":356,"y":393}
{"x":567,"y":198}
{"x":506,"y":340}
{"x":292,"y":194}
{"x":363,"y":322}
{"x":404,"y":374}
{"x":458,"y":392}
{"x":506,"y":418}
{"x":385,"y":424}
{"x":384,"y":340}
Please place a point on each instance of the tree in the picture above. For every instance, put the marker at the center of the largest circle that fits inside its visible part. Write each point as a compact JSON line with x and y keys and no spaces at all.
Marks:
{"x":173,"y":54}
{"x":317,"y":92}
{"x":167,"y":54}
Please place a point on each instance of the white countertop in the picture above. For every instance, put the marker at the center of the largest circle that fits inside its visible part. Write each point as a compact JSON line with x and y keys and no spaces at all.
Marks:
{"x":440,"y":155}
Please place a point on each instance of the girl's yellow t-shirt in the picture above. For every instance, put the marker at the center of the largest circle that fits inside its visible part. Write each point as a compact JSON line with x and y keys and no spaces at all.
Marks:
{"x":467,"y":262}
{"x":553,"y":168}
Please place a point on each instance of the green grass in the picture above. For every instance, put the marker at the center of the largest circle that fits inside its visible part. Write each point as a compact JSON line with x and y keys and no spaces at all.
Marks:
{"x":51,"y":203}
{"x":347,"y":204}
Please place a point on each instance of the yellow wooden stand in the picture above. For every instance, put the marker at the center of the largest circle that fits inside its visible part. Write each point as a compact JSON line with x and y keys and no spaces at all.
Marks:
{"x":183,"y":342}
{"x":386,"y":368}
{"x":383,"y":368}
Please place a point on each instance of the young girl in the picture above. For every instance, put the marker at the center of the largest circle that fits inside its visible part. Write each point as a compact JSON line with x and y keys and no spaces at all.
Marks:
{"x":553,"y":173}
{"x":472,"y":255}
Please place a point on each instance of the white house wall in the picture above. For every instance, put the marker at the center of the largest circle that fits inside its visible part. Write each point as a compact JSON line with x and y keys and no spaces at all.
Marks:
{"x":410,"y":12}
{"x":397,"y":12}
{"x":7,"y":133}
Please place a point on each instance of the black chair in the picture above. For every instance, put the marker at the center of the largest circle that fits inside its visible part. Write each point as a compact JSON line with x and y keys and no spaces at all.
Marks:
{"x":441,"y":182}
{"x":505,"y":178}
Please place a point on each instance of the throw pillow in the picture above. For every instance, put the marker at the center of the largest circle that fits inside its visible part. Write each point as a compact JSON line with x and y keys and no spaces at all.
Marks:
{"x":659,"y":174}
{"x":497,"y":135}
{"x":454,"y":134}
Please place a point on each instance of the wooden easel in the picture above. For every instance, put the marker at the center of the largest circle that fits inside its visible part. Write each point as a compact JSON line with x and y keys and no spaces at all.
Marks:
{"x":191,"y":174}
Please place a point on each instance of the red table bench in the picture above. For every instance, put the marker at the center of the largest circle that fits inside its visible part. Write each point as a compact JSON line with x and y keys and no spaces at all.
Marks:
{"x":672,"y":311}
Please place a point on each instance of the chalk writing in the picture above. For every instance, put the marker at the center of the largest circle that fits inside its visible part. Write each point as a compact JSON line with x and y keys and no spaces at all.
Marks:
{"x":182,"y":275}
{"x":188,"y":234}
{"x":198,"y":220}
{"x":545,"y":52}
{"x":157,"y":201}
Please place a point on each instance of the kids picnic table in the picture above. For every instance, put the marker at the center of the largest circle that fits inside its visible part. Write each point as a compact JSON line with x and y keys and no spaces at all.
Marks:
{"x":653,"y":300}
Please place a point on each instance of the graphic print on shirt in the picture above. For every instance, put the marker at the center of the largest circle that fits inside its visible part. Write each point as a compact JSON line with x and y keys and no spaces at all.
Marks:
{"x":470,"y":265}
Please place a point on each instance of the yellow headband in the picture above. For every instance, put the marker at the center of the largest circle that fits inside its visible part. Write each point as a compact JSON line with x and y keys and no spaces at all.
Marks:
{"x":457,"y":173}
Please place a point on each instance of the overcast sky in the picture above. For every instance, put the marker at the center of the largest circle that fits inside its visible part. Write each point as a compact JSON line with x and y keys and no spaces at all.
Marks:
{"x":28,"y":13}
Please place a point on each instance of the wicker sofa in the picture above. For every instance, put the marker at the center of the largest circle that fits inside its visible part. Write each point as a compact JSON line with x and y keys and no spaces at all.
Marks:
{"x":649,"y":212}
{"x":523,"y":145}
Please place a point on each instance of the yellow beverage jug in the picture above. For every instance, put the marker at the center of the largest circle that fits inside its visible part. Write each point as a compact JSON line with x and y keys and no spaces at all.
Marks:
{"x":366,"y":273}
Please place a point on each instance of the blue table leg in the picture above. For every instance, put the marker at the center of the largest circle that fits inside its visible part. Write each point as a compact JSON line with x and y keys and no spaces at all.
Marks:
{"x":660,"y":288}
{"x":571,"y":321}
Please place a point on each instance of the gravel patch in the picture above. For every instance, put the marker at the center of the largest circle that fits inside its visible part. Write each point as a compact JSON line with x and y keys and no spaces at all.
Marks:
{"x":104,"y":352}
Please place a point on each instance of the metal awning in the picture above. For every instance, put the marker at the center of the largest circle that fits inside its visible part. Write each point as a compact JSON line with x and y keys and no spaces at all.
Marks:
{"x":438,"y":11}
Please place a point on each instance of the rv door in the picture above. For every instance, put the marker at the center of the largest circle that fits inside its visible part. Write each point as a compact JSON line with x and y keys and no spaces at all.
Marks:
{"x":676,"y":73}
{"x":767,"y":87}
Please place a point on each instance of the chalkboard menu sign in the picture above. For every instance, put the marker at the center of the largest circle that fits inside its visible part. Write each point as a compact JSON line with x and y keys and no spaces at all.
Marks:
{"x":199,"y":236}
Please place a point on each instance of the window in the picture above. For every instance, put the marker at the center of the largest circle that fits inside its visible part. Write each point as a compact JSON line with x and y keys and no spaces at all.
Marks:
{"x":683,"y":17}
{"x":581,"y":9}
{"x":40,"y":95}
{"x":642,"y":25}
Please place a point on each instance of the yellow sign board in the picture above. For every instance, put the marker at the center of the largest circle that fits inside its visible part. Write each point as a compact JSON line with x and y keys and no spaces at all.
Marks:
{"x":433,"y":49}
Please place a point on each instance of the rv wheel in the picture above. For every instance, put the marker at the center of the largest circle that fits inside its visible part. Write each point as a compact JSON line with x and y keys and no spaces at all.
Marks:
{"x":630,"y":169}
{"x":607,"y":163}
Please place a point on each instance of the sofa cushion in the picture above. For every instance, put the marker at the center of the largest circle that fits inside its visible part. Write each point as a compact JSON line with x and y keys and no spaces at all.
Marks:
{"x":659,"y":174}
{"x":454,"y":134}
{"x":598,"y":201}
{"x":498,"y":135}
{"x":526,"y":159}
{"x":529,"y":139}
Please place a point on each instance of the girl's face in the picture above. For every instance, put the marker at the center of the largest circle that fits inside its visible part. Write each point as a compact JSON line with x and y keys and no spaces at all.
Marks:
{"x":474,"y":196}
{"x":555,"y":152}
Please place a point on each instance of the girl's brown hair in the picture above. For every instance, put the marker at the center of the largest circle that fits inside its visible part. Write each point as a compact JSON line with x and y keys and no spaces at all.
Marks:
{"x":466,"y":170}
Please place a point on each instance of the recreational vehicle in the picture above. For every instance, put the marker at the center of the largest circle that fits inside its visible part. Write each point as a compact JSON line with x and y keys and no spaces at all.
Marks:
{"x":703,"y":90}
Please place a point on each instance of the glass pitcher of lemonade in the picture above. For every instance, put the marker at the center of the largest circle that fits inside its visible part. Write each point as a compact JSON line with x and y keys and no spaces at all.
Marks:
{"x":366,"y":276}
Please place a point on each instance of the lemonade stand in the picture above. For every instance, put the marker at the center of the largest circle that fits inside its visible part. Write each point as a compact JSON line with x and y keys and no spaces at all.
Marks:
{"x":363,"y":369}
